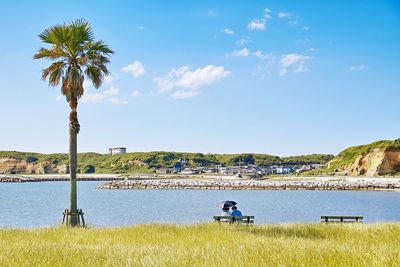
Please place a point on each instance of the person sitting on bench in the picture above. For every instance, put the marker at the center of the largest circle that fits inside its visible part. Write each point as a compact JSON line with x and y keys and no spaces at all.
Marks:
{"x":225,"y":212}
{"x":235,"y":211}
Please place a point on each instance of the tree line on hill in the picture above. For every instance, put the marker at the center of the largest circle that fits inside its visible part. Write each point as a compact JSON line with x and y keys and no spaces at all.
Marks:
{"x":148,"y":161}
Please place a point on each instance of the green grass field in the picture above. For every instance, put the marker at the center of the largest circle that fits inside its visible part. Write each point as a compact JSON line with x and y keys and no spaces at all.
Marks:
{"x":204,"y":245}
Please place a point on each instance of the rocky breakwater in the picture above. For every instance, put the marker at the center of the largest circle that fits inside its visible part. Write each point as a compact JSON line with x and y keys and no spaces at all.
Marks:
{"x":14,"y":179}
{"x":253,"y":185}
{"x":4,"y":178}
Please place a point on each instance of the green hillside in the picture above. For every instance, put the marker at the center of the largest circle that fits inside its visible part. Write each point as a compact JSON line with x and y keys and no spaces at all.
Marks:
{"x":349,"y":155}
{"x":147,"y":161}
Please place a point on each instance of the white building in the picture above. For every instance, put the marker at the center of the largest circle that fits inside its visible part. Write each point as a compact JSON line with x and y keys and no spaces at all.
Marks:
{"x":116,"y":150}
{"x":189,"y":171}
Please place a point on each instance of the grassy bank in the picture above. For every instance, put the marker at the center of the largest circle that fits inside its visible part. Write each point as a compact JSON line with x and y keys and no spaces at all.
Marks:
{"x":204,"y":245}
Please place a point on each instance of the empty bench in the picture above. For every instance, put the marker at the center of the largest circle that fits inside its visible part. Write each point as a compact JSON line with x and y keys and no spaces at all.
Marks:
{"x":234,"y":219}
{"x":342,"y":219}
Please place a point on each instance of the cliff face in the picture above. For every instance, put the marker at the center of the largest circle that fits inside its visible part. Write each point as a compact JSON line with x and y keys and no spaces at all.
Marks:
{"x":390,"y":163}
{"x":376,"y":159}
{"x":12,"y":165}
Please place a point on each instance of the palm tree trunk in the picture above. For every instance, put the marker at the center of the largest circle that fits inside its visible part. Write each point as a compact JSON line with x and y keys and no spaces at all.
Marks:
{"x":73,"y":158}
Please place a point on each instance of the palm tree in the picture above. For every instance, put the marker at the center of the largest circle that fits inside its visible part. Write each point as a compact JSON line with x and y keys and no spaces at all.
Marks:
{"x":75,"y":55}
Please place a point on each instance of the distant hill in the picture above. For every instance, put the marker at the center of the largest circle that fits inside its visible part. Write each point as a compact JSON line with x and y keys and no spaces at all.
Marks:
{"x":144,"y":162}
{"x":375,"y":159}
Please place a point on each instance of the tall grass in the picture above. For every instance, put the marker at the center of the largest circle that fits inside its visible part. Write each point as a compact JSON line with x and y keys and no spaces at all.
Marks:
{"x":204,"y":245}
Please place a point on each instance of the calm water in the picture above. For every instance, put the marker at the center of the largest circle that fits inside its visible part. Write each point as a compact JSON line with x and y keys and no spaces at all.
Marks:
{"x":41,"y":204}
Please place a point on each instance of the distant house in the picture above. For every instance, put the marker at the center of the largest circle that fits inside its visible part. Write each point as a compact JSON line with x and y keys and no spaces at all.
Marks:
{"x":317,"y":166}
{"x":210,"y":170}
{"x":163,"y":171}
{"x":304,"y":168}
{"x":179,"y":165}
{"x":273,"y":169}
{"x":116,"y":150}
{"x":189,"y":171}
{"x":223,"y":170}
{"x":283,"y":170}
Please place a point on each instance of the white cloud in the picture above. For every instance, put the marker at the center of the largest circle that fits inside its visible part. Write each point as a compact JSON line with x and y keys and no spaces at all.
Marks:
{"x":183,"y":94}
{"x":260,"y":54}
{"x":243,"y":41}
{"x":241,"y":53}
{"x":267,"y":13}
{"x":266,"y":64}
{"x":135,"y":94}
{"x":111,"y":77}
{"x":228,"y":31}
{"x":260,"y":24}
{"x":356,"y":68}
{"x":311,"y":49}
{"x":293,"y":61}
{"x":163,"y":84}
{"x":118,"y":101}
{"x":256,"y":25}
{"x":178,"y":72}
{"x":108,"y":79}
{"x":245,"y":52}
{"x":190,"y":81}
{"x":201,"y":76}
{"x":305,"y":28}
{"x":283,"y":15}
{"x":140,"y":28}
{"x":107,"y":96}
{"x":136,"y":69}
{"x":293,"y":19}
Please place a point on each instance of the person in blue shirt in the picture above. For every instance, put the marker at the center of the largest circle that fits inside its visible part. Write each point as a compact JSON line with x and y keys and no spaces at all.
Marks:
{"x":235,"y":211}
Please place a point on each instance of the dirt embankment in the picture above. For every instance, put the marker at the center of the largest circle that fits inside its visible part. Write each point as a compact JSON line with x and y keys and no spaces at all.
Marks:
{"x":378,"y":162}
{"x":16,"y":166}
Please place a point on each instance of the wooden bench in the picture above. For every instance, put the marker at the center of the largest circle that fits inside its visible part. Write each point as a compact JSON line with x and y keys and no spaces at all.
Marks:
{"x":342,"y":219}
{"x":234,"y":219}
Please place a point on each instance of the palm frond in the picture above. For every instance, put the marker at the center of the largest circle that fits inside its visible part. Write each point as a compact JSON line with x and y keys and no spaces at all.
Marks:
{"x":81,"y":31}
{"x":46,"y":35}
{"x":95,"y":75}
{"x":53,"y":53}
{"x":64,"y":88}
{"x":58,"y":66}
{"x":61,"y":34}
{"x":55,"y":76}
{"x":99,"y":47}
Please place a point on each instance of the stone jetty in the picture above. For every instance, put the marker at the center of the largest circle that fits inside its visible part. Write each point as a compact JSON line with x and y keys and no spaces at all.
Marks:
{"x":11,"y":179}
{"x":56,"y":178}
{"x":316,"y":184}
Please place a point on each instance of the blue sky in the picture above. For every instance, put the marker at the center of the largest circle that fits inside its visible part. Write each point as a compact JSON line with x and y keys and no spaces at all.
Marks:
{"x":277,"y":77}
